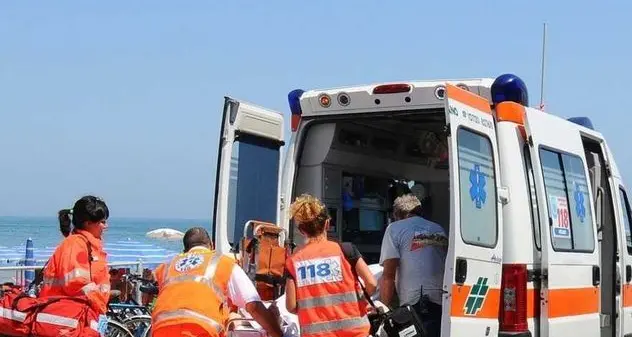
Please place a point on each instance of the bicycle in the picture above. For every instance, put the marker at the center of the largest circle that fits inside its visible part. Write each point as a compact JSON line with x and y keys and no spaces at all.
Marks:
{"x":130,"y":318}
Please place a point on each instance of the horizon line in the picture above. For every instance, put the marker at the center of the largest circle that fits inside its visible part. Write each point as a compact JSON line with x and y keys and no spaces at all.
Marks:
{"x":113,"y":218}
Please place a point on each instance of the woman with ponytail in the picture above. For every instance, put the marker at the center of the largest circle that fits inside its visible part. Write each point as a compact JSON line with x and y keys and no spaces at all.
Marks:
{"x":78,"y":265}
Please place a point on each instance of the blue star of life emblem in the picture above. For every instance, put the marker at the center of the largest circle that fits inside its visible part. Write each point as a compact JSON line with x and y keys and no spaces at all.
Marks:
{"x":189,"y":262}
{"x":477,"y":186}
{"x":579,"y":203}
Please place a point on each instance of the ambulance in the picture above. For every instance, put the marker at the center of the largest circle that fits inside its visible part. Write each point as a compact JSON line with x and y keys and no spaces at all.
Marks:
{"x":536,"y":210}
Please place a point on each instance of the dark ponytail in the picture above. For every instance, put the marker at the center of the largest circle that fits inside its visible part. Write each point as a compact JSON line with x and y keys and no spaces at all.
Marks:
{"x":87,"y":209}
{"x":64,"y":221}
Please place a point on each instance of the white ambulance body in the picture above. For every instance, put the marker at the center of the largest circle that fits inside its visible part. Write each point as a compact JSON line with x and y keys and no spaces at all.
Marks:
{"x":535,"y":207}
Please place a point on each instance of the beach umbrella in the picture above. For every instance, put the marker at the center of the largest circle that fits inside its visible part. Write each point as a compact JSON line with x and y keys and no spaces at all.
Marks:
{"x":134,"y":251}
{"x":165,"y":234}
{"x":29,"y":260}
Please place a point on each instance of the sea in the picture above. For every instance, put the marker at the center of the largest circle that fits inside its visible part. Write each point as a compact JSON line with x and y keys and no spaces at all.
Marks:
{"x":44,"y":231}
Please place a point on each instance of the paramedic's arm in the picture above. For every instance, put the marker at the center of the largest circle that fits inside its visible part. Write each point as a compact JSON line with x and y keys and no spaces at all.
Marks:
{"x":290,"y":296}
{"x":363,"y":271}
{"x":389,"y":260}
{"x":243,"y":294}
{"x":354,"y":256}
{"x":75,"y":262}
{"x":290,"y":288}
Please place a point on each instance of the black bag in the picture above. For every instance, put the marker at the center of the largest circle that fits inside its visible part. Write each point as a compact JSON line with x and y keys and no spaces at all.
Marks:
{"x":403,"y":322}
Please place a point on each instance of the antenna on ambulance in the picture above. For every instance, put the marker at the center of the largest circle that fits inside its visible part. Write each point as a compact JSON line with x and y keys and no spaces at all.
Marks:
{"x":542,"y":72}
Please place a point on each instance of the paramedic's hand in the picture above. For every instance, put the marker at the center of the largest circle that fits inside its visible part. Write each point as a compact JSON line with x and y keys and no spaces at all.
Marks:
{"x":274,"y":310}
{"x":265,"y":317}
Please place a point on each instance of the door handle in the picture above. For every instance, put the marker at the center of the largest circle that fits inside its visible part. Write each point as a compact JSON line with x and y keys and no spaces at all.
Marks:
{"x":460,"y":272}
{"x":596,"y":277}
{"x":628,"y":274}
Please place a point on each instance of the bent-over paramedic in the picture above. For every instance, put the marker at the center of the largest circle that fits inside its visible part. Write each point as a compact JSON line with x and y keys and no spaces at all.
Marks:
{"x":194,"y":290}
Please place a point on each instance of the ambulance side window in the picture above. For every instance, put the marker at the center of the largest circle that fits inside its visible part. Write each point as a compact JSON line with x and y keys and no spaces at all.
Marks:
{"x":533,"y":198}
{"x":477,"y":180}
{"x":570,"y":214}
{"x":627,"y":218}
{"x":252,"y":188}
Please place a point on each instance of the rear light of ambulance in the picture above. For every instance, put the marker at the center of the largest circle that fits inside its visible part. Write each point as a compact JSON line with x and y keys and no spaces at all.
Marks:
{"x":391,"y":88}
{"x":513,"y":311}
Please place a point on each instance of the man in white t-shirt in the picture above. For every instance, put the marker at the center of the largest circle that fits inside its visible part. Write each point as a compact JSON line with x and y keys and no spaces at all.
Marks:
{"x":413,"y":257}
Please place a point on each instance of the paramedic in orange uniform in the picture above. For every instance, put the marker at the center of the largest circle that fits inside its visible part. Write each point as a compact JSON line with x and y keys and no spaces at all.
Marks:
{"x":322,"y":288}
{"x":194,"y":290}
{"x":78,"y":265}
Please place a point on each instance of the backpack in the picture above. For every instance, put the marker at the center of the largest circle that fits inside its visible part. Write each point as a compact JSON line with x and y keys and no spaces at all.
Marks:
{"x":24,"y":315}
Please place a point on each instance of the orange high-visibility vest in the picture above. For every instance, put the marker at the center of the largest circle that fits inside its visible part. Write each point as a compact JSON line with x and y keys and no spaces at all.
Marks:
{"x":79,"y":267}
{"x":193,"y":290}
{"x":327,"y":293}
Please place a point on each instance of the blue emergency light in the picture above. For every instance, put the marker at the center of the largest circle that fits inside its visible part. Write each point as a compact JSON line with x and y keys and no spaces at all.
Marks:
{"x":583,"y":121}
{"x":294,"y":99}
{"x":509,"y":87}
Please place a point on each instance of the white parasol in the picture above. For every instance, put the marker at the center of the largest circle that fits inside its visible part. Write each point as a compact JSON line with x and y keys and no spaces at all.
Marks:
{"x":165,"y":234}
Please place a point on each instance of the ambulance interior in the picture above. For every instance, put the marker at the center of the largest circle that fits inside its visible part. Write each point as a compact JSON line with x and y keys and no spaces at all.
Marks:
{"x":358,"y":167}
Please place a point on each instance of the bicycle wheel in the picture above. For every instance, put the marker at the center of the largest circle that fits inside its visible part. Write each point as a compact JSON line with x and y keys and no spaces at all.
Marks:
{"x":138,"y":325}
{"x":117,"y":329}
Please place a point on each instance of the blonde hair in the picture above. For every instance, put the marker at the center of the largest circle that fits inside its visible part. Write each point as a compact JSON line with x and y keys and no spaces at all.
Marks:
{"x":405,"y":205}
{"x":309,"y":214}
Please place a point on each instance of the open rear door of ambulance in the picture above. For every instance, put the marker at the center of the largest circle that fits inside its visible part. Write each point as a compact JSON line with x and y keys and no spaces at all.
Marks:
{"x":570,"y":272}
{"x":474,"y":260}
{"x":247,"y":181}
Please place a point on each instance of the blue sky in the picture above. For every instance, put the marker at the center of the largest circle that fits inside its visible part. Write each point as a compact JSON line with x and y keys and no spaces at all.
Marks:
{"x":123,"y":99}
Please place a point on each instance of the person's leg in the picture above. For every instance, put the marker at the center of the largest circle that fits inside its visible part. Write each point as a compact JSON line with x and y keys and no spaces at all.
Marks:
{"x":432,"y":319}
{"x":430,"y":315}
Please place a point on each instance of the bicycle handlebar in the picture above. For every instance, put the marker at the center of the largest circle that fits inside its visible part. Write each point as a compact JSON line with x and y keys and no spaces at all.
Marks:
{"x":136,"y":278}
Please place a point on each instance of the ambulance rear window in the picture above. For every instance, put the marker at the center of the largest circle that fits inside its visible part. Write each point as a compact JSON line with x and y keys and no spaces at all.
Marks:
{"x":478,"y":209}
{"x":568,"y":200}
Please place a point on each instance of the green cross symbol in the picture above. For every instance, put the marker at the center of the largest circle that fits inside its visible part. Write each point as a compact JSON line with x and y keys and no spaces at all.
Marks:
{"x":476,"y":297}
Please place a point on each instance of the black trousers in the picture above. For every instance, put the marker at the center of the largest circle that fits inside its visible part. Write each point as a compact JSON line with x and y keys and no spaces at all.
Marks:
{"x":430,"y":315}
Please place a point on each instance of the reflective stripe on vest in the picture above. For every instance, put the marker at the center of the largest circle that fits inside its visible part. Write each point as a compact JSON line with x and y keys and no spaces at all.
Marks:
{"x":343,"y":324}
{"x":206,"y":279}
{"x":328,"y":300}
{"x":67,"y":278}
{"x":184,"y":313}
{"x":57,"y":320}
{"x":13,"y":315}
